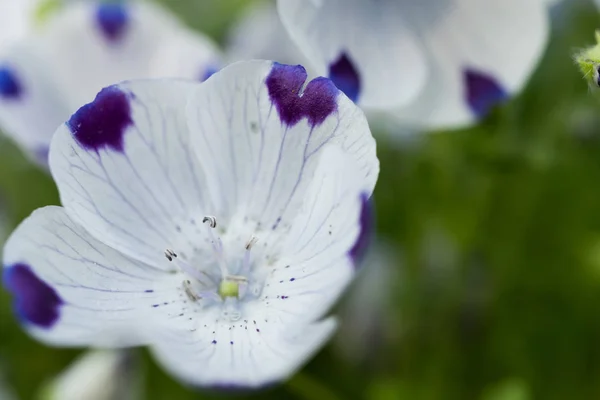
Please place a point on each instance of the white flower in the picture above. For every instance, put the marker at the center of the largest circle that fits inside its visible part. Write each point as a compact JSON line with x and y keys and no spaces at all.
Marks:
{"x":83,"y":47}
{"x":97,"y":375}
{"x":433,"y":64}
{"x":215,"y":222}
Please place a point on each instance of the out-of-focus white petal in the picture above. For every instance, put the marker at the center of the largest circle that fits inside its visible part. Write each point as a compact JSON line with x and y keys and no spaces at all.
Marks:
{"x":259,"y":34}
{"x":126,"y":171}
{"x":16,"y":17}
{"x":472,"y":54}
{"x":31,"y":107}
{"x":97,"y":375}
{"x":259,"y":134}
{"x":83,"y":47}
{"x":72,"y":290}
{"x":362,"y":46}
{"x":482,"y":52}
{"x":91,"y":45}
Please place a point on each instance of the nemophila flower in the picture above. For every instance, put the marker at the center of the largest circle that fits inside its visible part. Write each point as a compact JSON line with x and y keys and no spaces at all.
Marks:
{"x":433,"y":64}
{"x":97,"y":375}
{"x":83,"y":47}
{"x":214,"y":222}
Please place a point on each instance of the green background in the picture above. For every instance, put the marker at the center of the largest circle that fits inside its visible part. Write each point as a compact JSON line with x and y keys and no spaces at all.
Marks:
{"x":497,"y":234}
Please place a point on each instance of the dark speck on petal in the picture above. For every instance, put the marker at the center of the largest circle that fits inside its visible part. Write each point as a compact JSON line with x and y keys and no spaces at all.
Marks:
{"x":103,"y":122}
{"x":316,"y":103}
{"x":366,"y":227}
{"x":482,"y":92}
{"x":112,"y":19}
{"x":345,"y":76}
{"x":35,"y":301}
{"x":10,"y":86}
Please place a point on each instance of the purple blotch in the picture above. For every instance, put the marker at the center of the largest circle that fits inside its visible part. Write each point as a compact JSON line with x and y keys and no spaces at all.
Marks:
{"x":102,"y":123}
{"x":316,"y":103}
{"x":214,"y":342}
{"x":112,"y":19}
{"x":365,"y":221}
{"x":482,"y":92}
{"x":345,"y":76}
{"x":149,"y":291}
{"x":35,"y":301}
{"x":10,"y":85}
{"x":208,"y":72}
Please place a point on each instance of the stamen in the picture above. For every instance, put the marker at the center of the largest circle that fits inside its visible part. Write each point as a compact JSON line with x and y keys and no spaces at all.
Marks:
{"x":212,"y":221}
{"x":184,"y":266}
{"x":216,"y":243}
{"x":251,"y":242}
{"x":245,"y":269}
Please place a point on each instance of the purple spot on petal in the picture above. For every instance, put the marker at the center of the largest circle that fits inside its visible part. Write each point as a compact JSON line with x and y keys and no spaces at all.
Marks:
{"x":366,"y":226}
{"x":482,"y":92}
{"x":112,"y":19}
{"x":316,"y":103}
{"x":214,"y":342}
{"x":149,"y":291}
{"x":208,"y":72}
{"x":10,"y":86}
{"x":35,"y":301}
{"x":102,"y":123}
{"x":345,"y":76}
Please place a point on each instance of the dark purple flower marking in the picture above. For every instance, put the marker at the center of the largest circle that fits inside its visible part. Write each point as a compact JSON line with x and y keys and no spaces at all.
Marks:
{"x":10,"y":85}
{"x":365,"y":221}
{"x":35,"y":301}
{"x":112,"y":19}
{"x":345,"y":76}
{"x":316,"y":103}
{"x":103,"y":122}
{"x":482,"y":92}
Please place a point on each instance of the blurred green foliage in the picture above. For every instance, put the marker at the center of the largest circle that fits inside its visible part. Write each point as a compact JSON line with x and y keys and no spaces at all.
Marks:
{"x":499,"y":227}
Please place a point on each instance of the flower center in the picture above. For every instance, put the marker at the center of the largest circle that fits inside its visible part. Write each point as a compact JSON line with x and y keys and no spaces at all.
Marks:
{"x":232,"y":287}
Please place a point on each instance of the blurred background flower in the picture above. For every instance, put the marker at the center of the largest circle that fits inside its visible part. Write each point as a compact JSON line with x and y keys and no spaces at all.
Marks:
{"x":497,"y":227}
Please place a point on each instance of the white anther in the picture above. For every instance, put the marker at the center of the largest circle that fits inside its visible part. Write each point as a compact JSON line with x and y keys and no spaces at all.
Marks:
{"x":170,"y":254}
{"x":212,"y":221}
{"x":251,"y":242}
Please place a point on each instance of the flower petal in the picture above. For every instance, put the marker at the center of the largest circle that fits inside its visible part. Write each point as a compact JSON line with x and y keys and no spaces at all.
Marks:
{"x":477,"y":63}
{"x":90,"y":45}
{"x":31,"y":107}
{"x":72,"y":290}
{"x":126,"y":172}
{"x":257,"y":351}
{"x":15,"y":19}
{"x":366,"y":49}
{"x":259,"y":136}
{"x":259,"y":34}
{"x":320,"y":254}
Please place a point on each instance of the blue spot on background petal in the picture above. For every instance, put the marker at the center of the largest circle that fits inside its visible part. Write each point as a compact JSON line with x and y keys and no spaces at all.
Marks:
{"x":482,"y":92}
{"x":345,"y":76}
{"x":318,"y":101}
{"x":35,"y":301}
{"x":112,"y":19}
{"x":208,"y":72}
{"x":366,"y":222}
{"x":103,"y":122}
{"x":10,"y":86}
